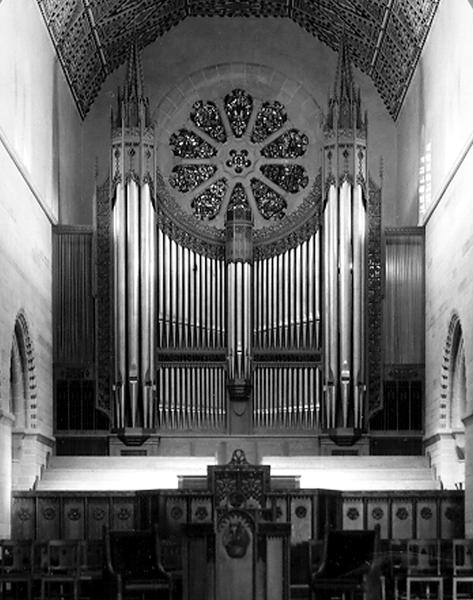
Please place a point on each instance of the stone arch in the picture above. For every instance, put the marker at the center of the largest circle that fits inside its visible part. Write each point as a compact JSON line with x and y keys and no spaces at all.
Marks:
{"x":22,"y":373}
{"x":453,"y":397}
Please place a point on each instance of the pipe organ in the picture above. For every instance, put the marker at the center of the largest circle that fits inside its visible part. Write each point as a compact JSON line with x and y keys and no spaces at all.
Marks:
{"x":275,"y":333}
{"x":190,"y":312}
{"x":344,"y":255}
{"x":239,"y":267}
{"x":134,"y":257}
{"x":286,"y":301}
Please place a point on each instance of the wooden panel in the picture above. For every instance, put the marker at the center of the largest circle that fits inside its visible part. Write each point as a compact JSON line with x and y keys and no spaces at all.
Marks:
{"x":377,"y":513}
{"x":275,"y":571}
{"x":196,"y":567}
{"x":73,"y":519}
{"x":402,"y":519}
{"x":427,"y":520}
{"x":98,"y":516}
{"x":404,"y":296}
{"x":176,"y":513}
{"x":451,"y":519}
{"x":123,"y":514}
{"x":353,"y":513}
{"x":201,"y":510}
{"x":23,"y":518}
{"x":301,"y":519}
{"x":280,"y":508}
{"x":48,"y":518}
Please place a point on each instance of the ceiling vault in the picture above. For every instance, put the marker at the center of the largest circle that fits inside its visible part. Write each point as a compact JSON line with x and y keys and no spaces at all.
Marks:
{"x":384,"y":38}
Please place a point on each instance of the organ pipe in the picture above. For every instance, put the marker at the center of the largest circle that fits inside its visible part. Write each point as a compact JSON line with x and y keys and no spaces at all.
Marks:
{"x":344,"y":251}
{"x":134,"y":255}
{"x":189,"y":297}
{"x":286,"y":299}
{"x":239,"y":285}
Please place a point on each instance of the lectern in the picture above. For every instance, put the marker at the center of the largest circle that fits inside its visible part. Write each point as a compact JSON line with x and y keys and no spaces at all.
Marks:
{"x":242,"y":554}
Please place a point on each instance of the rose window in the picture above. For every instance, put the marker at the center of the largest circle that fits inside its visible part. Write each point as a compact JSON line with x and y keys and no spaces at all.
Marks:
{"x":240,"y":142}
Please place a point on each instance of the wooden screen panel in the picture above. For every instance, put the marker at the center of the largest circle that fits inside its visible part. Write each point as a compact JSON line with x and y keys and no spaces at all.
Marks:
{"x":301,"y":519}
{"x":353,"y":514}
{"x":451,"y":519}
{"x":123,"y":514}
{"x":98,"y":516}
{"x":201,"y":509}
{"x":427,"y":520}
{"x":48,"y":518}
{"x":402,"y":515}
{"x":23,"y":518}
{"x":73,"y":519}
{"x":378,"y":514}
{"x":176,"y":514}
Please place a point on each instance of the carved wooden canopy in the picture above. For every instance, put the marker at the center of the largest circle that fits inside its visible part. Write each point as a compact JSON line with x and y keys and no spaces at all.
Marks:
{"x":384,"y":37}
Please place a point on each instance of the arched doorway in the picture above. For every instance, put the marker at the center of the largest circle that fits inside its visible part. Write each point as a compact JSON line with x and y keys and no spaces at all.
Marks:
{"x":22,"y":389}
{"x":456,"y":398}
{"x":457,"y":381}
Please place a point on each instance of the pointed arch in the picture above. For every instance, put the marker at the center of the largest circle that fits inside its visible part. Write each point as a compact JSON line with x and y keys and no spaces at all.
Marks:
{"x":453,"y":397}
{"x":22,"y":373}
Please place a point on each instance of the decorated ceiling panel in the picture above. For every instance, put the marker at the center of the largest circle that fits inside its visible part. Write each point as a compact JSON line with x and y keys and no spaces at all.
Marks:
{"x":384,"y":37}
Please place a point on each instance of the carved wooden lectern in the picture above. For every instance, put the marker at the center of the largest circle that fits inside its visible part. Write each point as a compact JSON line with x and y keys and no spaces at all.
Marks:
{"x":242,"y":554}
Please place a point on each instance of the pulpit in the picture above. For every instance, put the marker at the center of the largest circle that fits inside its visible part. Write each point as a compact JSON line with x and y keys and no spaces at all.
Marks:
{"x":242,"y":554}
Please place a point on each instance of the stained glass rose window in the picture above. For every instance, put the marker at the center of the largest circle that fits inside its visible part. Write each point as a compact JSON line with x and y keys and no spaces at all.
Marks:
{"x":243,"y":142}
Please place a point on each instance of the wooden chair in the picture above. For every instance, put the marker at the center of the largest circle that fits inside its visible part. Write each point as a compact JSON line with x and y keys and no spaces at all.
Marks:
{"x":57,"y":568}
{"x":91,"y":564}
{"x":350,"y":566}
{"x":462,"y":579}
{"x":16,"y":569}
{"x":133,"y":566}
{"x":424,"y":578}
{"x":397,"y":568}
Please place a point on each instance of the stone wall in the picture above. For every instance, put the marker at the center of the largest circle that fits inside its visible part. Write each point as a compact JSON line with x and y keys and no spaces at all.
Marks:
{"x":39,"y":130}
{"x":437,"y":114}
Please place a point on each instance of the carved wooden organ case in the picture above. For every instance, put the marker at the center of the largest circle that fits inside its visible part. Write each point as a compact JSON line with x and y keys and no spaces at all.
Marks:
{"x":239,"y":285}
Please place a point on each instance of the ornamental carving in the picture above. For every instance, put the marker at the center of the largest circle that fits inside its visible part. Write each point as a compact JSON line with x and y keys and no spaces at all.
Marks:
{"x":402,"y":513}
{"x":104,"y":304}
{"x":374,"y":299}
{"x":123,"y":514}
{"x":49,"y":513}
{"x":176,"y":513}
{"x":235,"y":529}
{"x":74,"y":514}
{"x":88,"y":54}
{"x":377,"y":513}
{"x":201,"y":513}
{"x":23,"y":514}
{"x":353,"y":513}
{"x":300,"y":512}
{"x":426,"y":513}
{"x":98,"y":514}
{"x":213,"y":154}
{"x":239,"y":484}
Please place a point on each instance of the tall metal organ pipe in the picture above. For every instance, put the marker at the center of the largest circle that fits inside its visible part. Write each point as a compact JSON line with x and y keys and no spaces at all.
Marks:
{"x":344,"y":254}
{"x":134,"y":255}
{"x":239,"y":267}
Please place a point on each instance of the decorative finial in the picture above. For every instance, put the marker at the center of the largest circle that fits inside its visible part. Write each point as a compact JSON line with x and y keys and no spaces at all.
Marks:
{"x":133,"y":106}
